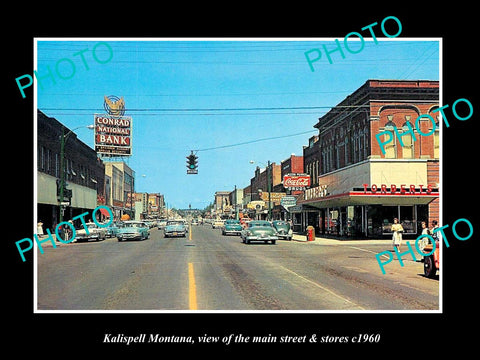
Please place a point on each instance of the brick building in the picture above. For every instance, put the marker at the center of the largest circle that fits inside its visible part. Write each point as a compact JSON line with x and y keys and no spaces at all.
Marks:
{"x":292,"y":164}
{"x":120,"y":187}
{"x":84,"y":173}
{"x":260,"y":182}
{"x":357,"y":189}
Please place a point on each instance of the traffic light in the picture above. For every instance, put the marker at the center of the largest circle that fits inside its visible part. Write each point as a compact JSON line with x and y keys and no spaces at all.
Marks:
{"x":67,"y":193}
{"x":192,"y":164}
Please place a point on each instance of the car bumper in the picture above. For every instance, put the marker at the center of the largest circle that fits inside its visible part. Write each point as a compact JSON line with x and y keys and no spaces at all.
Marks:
{"x":261,"y":238}
{"x":87,"y":237}
{"x":175,"y":233}
{"x":234,"y":232}
{"x":129,"y":236}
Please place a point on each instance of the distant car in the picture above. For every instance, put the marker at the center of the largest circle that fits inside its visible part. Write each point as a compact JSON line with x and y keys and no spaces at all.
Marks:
{"x":112,"y":229}
{"x":194,"y":222}
{"x":283,"y":229}
{"x":94,"y":233}
{"x":161,"y":224}
{"x":232,"y":227}
{"x":245,"y":220}
{"x":150,"y":223}
{"x":175,"y":228}
{"x":133,"y":230}
{"x":217,"y":224}
{"x":259,"y":230}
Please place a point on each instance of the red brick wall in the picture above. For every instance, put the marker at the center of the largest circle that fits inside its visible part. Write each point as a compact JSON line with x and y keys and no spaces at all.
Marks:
{"x":423,"y":146}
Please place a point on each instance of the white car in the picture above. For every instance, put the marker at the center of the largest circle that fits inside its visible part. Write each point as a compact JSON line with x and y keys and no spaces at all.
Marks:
{"x":94,"y":232}
{"x":218,"y":224}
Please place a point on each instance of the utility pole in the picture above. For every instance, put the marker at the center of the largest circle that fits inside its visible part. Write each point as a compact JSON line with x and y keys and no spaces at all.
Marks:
{"x":269,"y":187}
{"x":63,"y":140}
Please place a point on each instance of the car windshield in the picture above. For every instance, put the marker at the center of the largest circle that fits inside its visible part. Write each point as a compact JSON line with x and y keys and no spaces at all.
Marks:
{"x":259,"y":224}
{"x":135,"y":225}
{"x":233,"y":222}
{"x":88,"y":225}
{"x":175,"y":223}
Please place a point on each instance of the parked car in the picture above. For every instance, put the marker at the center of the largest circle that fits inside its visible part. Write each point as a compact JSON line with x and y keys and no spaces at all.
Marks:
{"x":217,"y":223}
{"x":94,"y":233}
{"x":133,"y":230}
{"x":259,"y":230}
{"x":232,"y":227}
{"x":175,"y":228}
{"x":283,"y":228}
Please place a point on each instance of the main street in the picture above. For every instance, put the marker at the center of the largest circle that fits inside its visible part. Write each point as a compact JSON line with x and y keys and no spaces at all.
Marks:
{"x":208,"y":271}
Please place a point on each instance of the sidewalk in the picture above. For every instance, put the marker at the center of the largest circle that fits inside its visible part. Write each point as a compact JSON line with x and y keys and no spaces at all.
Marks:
{"x":329,"y":241}
{"x":48,"y":242}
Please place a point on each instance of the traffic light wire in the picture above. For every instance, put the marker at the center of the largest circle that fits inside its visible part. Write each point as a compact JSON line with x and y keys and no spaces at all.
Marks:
{"x":254,"y":141}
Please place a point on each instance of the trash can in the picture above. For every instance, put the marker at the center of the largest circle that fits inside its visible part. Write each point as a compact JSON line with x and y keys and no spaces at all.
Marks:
{"x":310,"y":233}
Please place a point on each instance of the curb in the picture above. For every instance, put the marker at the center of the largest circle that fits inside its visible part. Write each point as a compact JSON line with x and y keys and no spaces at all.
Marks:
{"x":328,"y":241}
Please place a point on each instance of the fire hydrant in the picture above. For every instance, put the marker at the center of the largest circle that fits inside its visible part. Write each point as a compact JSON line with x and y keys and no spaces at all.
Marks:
{"x":310,"y":233}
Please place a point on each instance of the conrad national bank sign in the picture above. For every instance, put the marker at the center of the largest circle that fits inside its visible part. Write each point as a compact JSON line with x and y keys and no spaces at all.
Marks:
{"x":113,"y":131}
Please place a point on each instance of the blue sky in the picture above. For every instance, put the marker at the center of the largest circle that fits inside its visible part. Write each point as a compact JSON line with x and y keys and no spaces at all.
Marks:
{"x":187,"y":95}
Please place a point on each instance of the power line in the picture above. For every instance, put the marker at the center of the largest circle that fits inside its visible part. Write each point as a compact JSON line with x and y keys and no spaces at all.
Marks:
{"x":255,"y":141}
{"x":215,"y":109}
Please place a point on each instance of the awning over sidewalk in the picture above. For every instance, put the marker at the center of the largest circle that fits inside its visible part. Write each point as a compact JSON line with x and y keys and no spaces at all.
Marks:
{"x":362,"y":198}
{"x":104,"y":212}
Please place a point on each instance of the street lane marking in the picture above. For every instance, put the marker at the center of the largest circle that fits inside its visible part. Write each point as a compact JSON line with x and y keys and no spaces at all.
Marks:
{"x":192,"y":290}
{"x":190,"y":233}
{"x":321,"y":287}
{"x":373,"y":252}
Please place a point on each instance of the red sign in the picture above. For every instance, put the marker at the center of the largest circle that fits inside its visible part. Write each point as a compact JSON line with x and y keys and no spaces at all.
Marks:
{"x":393,"y":189}
{"x":113,"y":135}
{"x":296,"y":181}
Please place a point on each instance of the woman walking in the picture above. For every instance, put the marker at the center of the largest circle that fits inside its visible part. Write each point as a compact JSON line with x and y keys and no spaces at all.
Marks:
{"x":397,"y":230}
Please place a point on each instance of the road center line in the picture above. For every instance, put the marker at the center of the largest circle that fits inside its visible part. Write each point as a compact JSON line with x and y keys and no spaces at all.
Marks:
{"x":321,"y":287}
{"x":192,"y":290}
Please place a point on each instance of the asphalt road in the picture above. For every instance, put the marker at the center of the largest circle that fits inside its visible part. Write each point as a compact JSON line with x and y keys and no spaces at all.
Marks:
{"x":215,"y":272}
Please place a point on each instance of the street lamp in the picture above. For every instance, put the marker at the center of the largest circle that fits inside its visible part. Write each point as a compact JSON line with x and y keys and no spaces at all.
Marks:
{"x":268,"y":188}
{"x":63,"y":140}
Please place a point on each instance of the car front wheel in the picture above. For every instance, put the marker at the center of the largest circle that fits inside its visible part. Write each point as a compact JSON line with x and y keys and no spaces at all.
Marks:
{"x":429,"y":267}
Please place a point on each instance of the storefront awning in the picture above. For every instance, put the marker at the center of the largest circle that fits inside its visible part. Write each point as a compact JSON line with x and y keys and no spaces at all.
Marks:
{"x":352,"y":198}
{"x":104,"y":212}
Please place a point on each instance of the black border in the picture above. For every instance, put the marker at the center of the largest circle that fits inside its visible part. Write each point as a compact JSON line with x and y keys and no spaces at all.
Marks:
{"x":82,"y":334}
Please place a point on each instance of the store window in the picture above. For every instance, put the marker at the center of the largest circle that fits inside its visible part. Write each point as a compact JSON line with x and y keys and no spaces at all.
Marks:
{"x":380,"y":219}
{"x":408,"y":218}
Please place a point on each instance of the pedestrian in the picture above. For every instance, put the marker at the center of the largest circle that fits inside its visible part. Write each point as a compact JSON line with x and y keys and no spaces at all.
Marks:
{"x":40,"y":228}
{"x":435,"y":235}
{"x":397,"y":230}
{"x":70,"y":232}
{"x":425,"y":240}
